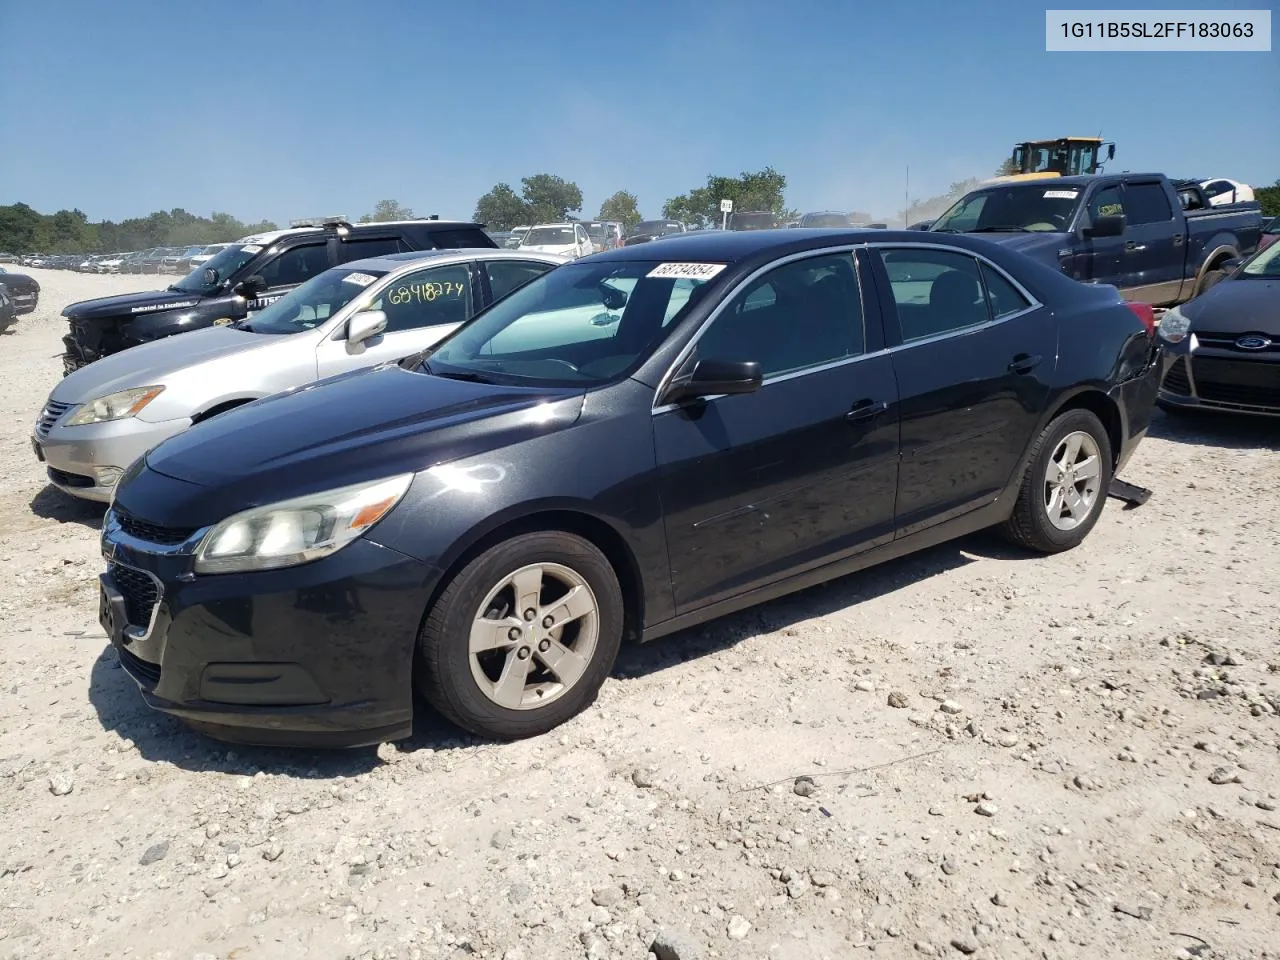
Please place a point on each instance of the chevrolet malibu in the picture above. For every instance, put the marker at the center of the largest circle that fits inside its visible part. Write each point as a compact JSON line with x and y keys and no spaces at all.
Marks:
{"x":628,"y":445}
{"x":108,"y":413}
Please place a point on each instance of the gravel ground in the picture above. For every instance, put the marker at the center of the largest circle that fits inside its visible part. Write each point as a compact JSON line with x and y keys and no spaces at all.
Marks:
{"x":1007,"y":756}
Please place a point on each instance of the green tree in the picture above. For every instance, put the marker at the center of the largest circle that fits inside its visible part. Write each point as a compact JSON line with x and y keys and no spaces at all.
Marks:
{"x":386,"y":210}
{"x":759,"y":191}
{"x":622,"y":206}
{"x":18,"y":227}
{"x":501,"y":209}
{"x":1006,"y":169}
{"x":934,"y":207}
{"x":550,"y":198}
{"x":1268,"y":198}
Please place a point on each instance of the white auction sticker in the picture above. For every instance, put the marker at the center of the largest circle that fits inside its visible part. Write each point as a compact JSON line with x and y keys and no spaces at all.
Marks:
{"x":361,"y":278}
{"x":687,"y":271}
{"x":251,"y":248}
{"x":1061,"y":194}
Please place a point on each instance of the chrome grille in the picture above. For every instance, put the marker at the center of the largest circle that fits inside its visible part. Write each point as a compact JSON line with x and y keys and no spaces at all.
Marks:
{"x":52,"y":412}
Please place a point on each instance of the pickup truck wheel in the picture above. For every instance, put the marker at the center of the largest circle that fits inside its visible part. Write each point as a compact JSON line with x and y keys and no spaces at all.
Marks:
{"x":1210,"y":278}
{"x":523,"y":637}
{"x":1065,"y":486}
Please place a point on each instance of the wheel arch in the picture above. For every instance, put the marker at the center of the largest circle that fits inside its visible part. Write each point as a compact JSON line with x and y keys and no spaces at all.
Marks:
{"x":1100,"y":405}
{"x":590,"y":527}
{"x":1212,"y":261}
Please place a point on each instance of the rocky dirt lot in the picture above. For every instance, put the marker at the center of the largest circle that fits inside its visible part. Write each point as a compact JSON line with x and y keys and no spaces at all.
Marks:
{"x":1006,"y":756}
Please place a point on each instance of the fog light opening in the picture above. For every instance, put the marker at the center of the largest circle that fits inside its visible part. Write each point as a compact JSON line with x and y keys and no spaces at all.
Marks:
{"x":107,"y":476}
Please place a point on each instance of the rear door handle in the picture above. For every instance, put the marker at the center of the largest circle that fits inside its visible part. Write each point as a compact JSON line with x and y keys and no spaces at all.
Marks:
{"x":1024,"y":363}
{"x":1177,"y":239}
{"x":866,"y":410}
{"x":1132,"y":246}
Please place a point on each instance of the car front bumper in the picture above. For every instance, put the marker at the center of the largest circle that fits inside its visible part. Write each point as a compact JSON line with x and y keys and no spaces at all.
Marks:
{"x":1215,"y":375}
{"x":86,"y":461}
{"x":315,"y":655}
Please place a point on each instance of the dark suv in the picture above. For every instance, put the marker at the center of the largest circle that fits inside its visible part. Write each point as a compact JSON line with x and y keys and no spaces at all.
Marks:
{"x":244,"y":277}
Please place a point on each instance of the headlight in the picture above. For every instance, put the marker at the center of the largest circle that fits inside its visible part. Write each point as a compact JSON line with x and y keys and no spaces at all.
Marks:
{"x":115,"y":406}
{"x":297,"y":531}
{"x":1174,"y":326}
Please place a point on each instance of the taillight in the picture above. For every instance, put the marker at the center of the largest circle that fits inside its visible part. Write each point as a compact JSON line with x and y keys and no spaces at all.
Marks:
{"x":1147,"y":314}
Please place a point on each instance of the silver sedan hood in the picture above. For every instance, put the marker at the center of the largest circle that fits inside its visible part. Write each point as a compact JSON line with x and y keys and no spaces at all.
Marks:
{"x":151,"y":363}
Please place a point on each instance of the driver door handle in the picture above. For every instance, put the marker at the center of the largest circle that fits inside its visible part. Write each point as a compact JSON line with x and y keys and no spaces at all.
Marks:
{"x":1024,"y":363}
{"x":865,"y":410}
{"x":1132,"y":246}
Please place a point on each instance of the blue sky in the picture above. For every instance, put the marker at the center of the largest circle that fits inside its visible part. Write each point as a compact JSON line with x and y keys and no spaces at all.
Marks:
{"x":301,"y":107}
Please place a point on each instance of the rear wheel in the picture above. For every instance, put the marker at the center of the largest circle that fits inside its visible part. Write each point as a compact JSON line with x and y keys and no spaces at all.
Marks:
{"x":1065,"y":487}
{"x":523,"y":637}
{"x":1210,"y":278}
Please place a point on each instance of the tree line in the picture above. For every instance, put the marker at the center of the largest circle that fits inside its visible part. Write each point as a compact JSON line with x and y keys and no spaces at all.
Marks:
{"x":543,"y":198}
{"x":24,"y":230}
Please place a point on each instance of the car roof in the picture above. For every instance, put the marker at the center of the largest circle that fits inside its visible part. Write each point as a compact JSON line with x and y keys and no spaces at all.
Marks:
{"x":271,"y":236}
{"x":395,"y":261}
{"x":733,"y":246}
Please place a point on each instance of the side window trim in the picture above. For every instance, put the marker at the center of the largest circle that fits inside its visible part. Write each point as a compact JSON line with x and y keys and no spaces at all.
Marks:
{"x":730,"y":295}
{"x":889,"y":307}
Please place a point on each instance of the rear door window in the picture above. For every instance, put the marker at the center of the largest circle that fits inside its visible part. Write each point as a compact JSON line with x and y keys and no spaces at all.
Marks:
{"x":460,"y":238}
{"x":1146,"y":203}
{"x":372,"y":247}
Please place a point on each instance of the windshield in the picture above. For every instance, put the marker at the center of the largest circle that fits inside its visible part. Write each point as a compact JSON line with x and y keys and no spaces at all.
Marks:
{"x":824,"y":220}
{"x":548,"y":237}
{"x":225,"y":263}
{"x":655,"y":226}
{"x":1033,"y":207}
{"x":581,"y":324}
{"x":1265,"y":263}
{"x":312,"y":303}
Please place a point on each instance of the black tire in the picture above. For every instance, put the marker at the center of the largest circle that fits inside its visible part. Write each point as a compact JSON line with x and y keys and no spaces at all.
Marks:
{"x":1029,"y":525}
{"x":1210,"y":278}
{"x":444,"y":670}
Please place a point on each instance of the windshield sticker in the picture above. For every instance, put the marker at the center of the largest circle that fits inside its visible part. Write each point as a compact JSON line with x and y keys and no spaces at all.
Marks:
{"x":251,"y":248}
{"x":165,"y":306}
{"x":686,"y":271}
{"x":363,"y":279}
{"x":423,"y":292}
{"x":1061,"y":194}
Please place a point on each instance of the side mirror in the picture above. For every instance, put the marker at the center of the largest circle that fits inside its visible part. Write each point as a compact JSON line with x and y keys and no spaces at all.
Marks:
{"x":611,"y":296}
{"x":249,"y":287}
{"x":210,"y":277}
{"x":1111,"y":151}
{"x":1110,"y":226}
{"x":710,"y":378}
{"x":365,"y":326}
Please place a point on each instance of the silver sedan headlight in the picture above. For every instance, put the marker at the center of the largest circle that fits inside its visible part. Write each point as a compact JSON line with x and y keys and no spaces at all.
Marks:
{"x":114,"y":406}
{"x":297,"y":531}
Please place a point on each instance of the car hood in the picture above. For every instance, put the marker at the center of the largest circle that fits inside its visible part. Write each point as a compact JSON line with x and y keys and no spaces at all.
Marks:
{"x":153,"y":363}
{"x":354,"y":427}
{"x":130,"y":305}
{"x":1040,"y":245}
{"x":560,"y":248}
{"x":1246,"y":305}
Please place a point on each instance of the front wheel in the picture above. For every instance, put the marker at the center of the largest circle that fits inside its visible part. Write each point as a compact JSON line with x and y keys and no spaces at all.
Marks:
{"x":1065,"y":486}
{"x":523,"y":637}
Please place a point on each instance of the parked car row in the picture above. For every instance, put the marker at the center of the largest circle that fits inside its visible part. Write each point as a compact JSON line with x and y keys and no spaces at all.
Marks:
{"x":471,"y":473}
{"x":175,"y":260}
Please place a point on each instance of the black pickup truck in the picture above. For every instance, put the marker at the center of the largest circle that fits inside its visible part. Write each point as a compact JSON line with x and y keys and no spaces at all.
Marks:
{"x":1129,"y":230}
{"x":243,"y":278}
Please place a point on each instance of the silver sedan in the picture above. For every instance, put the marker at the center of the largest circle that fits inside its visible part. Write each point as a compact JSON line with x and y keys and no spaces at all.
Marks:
{"x":104,"y":416}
